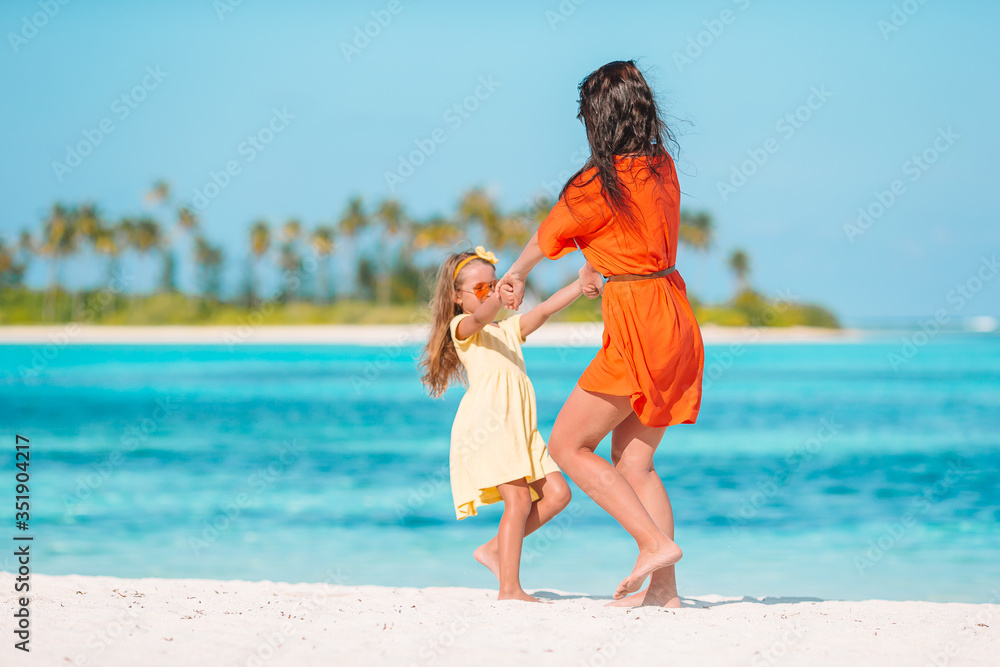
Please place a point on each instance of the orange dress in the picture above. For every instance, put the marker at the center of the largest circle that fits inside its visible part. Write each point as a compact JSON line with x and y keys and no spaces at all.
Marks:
{"x":652,"y":350}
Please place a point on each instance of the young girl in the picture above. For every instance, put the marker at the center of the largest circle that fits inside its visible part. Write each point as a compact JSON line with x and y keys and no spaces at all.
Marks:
{"x":622,"y":210}
{"x":497,"y":452}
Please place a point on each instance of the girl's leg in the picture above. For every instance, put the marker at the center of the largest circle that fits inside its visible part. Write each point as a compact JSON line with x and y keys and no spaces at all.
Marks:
{"x":632,"y":449}
{"x":516,"y":507}
{"x":581,"y":425}
{"x":553,"y":496}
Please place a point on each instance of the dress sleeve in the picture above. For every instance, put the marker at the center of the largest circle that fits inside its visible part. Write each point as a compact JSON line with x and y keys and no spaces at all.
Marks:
{"x":581,"y":211}
{"x":464,"y":343}
{"x":513,"y":325}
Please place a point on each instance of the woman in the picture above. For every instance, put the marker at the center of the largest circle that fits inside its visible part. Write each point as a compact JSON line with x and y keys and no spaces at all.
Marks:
{"x":622,"y":211}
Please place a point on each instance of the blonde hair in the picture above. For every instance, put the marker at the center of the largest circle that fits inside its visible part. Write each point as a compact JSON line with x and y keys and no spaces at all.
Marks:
{"x":439,"y":359}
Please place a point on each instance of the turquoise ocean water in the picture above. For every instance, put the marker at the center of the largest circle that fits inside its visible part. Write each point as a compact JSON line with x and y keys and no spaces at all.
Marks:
{"x":814,"y":469}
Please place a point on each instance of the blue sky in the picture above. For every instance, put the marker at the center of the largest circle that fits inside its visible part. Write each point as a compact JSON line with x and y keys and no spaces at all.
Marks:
{"x":886,"y":93}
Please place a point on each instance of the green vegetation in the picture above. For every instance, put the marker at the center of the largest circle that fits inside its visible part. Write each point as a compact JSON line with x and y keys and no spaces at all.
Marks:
{"x":393,"y":274}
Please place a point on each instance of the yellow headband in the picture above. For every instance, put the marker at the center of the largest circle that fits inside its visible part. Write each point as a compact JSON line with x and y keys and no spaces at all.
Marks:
{"x":481,"y":253}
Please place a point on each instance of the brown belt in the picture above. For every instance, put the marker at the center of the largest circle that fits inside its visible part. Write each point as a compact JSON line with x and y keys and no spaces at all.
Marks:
{"x":636,"y":276}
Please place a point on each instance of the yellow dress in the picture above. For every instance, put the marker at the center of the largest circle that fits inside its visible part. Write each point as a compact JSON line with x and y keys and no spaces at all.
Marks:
{"x":495,"y":437}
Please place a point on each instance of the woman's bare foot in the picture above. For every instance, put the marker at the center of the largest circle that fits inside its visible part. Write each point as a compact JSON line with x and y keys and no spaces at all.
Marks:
{"x":489,"y":555}
{"x":646,"y":599}
{"x":631,"y":601}
{"x":648,"y":562}
{"x":519,"y":595}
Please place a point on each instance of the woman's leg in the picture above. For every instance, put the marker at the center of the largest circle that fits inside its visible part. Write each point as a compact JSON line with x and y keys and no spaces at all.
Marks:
{"x":585,"y":419}
{"x":553,"y":496}
{"x":632,"y":449}
{"x":516,"y":507}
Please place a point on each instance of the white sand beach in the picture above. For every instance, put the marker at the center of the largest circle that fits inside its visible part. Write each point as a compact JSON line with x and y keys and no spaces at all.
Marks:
{"x":574,"y":334}
{"x":78,"y":620}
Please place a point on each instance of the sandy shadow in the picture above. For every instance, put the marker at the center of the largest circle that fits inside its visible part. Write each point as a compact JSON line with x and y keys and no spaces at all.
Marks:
{"x":686,"y":603}
{"x":703,"y":604}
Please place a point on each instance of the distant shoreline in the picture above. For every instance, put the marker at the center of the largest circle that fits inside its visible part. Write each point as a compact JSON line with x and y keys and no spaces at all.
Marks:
{"x":556,"y":334}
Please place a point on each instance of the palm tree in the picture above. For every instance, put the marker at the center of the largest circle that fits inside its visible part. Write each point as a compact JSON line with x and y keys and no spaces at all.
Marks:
{"x":159,"y":193}
{"x":353,"y":221}
{"x":60,"y":240}
{"x":260,"y":243}
{"x":515,"y":230}
{"x":148,"y":236}
{"x":323,"y":247}
{"x":436,"y":232}
{"x":89,"y":225}
{"x":8,"y":269}
{"x":696,"y":230}
{"x":739,"y":264}
{"x":477,"y":206}
{"x":106,"y":242}
{"x":290,"y":258}
{"x":187,"y":219}
{"x":208,"y":259}
{"x":393,"y":220}
{"x":26,"y":249}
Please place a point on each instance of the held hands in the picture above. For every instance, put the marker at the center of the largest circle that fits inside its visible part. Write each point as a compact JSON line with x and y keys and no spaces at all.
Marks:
{"x":591,"y":281}
{"x":510,"y":291}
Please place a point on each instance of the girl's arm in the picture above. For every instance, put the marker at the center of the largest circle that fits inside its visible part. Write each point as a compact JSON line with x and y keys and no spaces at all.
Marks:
{"x":591,"y":280}
{"x":540,"y":314}
{"x":514,"y":278}
{"x":483,"y":315}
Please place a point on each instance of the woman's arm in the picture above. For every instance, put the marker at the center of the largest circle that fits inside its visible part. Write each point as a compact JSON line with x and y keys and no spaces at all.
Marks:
{"x":483,"y":315}
{"x":514,"y":278}
{"x":540,"y":314}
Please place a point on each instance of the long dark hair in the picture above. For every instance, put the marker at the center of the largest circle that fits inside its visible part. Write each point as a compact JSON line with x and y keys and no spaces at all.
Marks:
{"x":620,"y":113}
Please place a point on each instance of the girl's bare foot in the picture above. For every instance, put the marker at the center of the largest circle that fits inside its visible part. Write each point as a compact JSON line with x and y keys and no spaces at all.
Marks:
{"x":648,"y":562}
{"x":519,"y":595}
{"x":489,"y":555}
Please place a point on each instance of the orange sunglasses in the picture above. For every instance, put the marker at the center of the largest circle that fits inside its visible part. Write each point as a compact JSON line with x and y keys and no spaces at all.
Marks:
{"x":482,"y":290}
